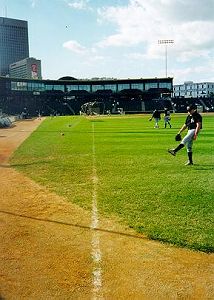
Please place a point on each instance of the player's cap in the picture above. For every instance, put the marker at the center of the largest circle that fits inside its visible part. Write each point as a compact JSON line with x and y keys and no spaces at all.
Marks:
{"x":191,"y":107}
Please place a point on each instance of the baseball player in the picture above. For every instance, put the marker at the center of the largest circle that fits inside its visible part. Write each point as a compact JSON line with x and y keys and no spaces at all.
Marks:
{"x":157,"y":116}
{"x":167,"y":118}
{"x":194,"y":124}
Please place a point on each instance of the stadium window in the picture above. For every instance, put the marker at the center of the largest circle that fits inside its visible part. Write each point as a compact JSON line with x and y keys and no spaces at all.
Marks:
{"x":96,"y":87}
{"x":36,"y":86}
{"x":84,"y":87}
{"x":71,"y":88}
{"x":124,"y":86}
{"x":19,"y":86}
{"x":54,"y":87}
{"x":151,"y":85}
{"x":138,"y":86}
{"x":13,"y":86}
{"x":112,"y":87}
{"x":167,"y":85}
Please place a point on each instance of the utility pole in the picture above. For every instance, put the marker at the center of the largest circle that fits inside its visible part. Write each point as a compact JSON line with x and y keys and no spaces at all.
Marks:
{"x":165,"y":42}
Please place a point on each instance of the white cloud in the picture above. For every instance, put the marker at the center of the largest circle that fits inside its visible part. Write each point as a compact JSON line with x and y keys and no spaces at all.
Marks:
{"x":93,"y":59}
{"x":79,"y":4}
{"x":185,"y":56}
{"x":89,"y":56}
{"x":75,"y":47}
{"x":193,"y":73}
{"x":144,"y":22}
{"x":33,"y":3}
{"x":185,"y":10}
{"x":138,"y":27}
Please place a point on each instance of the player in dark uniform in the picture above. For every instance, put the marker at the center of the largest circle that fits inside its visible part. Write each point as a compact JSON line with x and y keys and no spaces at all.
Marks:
{"x":157,"y":116}
{"x":194,"y":124}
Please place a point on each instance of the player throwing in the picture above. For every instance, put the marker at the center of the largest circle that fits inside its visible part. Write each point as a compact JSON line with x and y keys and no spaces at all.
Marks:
{"x":194,"y":124}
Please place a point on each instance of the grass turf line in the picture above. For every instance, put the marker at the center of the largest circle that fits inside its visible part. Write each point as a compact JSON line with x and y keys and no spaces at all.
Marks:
{"x":139,"y":182}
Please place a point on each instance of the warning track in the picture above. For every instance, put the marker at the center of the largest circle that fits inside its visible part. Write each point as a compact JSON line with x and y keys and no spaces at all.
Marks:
{"x":46,"y":247}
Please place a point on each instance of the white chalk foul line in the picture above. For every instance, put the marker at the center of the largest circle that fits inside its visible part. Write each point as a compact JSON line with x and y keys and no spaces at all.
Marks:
{"x":95,"y":242}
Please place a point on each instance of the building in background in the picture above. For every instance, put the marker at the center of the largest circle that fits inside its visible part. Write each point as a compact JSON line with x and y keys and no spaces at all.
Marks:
{"x":29,"y":68}
{"x":14,"y":44}
{"x":200,"y":94}
{"x":194,"y":90}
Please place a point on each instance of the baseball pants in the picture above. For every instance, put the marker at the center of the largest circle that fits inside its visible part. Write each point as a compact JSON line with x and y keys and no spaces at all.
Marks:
{"x":188,"y":139}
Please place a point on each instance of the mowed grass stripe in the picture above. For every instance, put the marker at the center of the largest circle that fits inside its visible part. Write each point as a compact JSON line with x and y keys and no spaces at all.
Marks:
{"x":139,"y":182}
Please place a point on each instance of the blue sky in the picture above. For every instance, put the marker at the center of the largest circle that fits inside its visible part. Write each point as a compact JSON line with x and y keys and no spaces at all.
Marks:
{"x":119,"y":38}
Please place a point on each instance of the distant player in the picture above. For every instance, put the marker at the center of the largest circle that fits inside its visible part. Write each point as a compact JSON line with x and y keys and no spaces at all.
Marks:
{"x":167,"y":117}
{"x":194,"y":124}
{"x":157,"y":116}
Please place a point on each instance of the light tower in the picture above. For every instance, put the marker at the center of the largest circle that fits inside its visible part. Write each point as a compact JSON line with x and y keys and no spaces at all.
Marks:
{"x":166,"y":42}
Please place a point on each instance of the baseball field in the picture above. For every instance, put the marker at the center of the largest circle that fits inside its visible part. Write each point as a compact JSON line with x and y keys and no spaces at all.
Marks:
{"x":124,"y":160}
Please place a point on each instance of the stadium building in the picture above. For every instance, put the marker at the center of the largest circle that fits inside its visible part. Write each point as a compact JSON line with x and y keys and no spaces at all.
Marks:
{"x":71,"y":96}
{"x":13,"y":43}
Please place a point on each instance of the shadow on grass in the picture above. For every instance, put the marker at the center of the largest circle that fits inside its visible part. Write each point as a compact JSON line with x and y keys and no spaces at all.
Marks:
{"x":74,"y":225}
{"x":24,"y":164}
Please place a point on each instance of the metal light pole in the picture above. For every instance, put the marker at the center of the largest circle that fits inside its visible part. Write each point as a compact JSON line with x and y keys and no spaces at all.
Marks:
{"x":166,"y":42}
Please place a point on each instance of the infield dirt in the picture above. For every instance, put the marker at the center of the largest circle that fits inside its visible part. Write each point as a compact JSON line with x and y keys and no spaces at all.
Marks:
{"x":45,"y":247}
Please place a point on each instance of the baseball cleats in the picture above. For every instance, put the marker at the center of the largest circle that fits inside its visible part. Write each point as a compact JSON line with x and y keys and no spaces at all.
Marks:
{"x":189,"y":163}
{"x":172,"y":151}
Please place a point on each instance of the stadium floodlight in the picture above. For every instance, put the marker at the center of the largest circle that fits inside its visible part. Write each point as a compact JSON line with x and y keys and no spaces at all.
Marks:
{"x":166,"y":42}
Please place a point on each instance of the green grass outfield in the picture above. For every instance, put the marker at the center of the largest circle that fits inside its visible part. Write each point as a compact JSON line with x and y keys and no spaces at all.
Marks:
{"x":138,"y":181}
